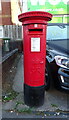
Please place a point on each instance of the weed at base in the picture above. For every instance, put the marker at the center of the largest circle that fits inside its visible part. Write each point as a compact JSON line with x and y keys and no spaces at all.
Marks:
{"x":9,"y":97}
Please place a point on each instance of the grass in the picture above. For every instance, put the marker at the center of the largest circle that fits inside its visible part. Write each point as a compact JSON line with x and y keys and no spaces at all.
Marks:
{"x":25,"y":110}
{"x":54,"y":105}
{"x":17,"y":103}
{"x":10,"y":96}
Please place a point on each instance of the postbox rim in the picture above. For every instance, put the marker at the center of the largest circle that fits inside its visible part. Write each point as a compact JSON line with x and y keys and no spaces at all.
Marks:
{"x":35,"y":14}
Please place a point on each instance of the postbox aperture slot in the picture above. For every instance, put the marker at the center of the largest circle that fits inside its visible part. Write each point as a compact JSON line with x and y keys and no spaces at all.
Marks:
{"x":34,"y":31}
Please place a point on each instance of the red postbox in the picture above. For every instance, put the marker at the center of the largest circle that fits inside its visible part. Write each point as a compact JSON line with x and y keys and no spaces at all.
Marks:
{"x":34,"y":44}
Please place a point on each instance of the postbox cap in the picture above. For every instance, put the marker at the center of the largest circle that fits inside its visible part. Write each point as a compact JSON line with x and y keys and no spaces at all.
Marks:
{"x":35,"y":17}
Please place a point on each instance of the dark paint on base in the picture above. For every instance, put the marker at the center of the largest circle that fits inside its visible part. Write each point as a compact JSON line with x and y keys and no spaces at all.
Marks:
{"x":34,"y":96}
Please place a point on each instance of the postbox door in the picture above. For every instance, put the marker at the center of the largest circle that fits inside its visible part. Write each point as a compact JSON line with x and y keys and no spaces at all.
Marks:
{"x":35,"y":54}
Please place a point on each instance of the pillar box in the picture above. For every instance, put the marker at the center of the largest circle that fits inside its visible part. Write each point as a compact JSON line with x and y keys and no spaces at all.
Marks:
{"x":34,"y":44}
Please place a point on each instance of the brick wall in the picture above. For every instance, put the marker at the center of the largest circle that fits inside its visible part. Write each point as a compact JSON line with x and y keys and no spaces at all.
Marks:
{"x":0,"y":13}
{"x":6,"y":13}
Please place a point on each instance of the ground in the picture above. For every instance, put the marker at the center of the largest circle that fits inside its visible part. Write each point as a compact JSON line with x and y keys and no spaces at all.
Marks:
{"x":55,"y":102}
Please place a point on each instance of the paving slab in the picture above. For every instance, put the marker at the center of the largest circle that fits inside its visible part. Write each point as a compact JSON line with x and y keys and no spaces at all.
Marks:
{"x":54,"y":100}
{"x":18,"y":80}
{"x":9,"y":105}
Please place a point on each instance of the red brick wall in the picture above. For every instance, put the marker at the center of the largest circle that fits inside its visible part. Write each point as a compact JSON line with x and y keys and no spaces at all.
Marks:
{"x":0,"y":19}
{"x":6,"y":13}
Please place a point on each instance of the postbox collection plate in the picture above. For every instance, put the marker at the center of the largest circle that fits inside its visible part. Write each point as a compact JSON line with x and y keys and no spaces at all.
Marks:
{"x":35,"y":44}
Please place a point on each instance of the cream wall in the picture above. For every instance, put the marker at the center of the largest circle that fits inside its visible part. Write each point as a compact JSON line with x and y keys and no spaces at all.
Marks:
{"x":15,"y":11}
{"x":0,"y":5}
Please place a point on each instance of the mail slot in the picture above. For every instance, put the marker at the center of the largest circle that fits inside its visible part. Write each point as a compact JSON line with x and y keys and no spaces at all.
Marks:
{"x":34,"y":27}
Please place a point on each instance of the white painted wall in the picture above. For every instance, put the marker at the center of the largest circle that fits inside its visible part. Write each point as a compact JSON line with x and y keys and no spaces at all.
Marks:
{"x":24,"y":6}
{"x":1,"y":32}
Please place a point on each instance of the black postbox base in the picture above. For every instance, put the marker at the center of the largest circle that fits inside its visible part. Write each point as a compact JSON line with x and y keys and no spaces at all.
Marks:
{"x":34,"y":96}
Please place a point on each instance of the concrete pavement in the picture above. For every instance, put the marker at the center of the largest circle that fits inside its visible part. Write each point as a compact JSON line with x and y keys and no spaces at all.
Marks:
{"x":55,"y":101}
{"x":19,"y":78}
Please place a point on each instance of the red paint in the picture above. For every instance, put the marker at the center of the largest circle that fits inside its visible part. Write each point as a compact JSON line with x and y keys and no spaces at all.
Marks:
{"x":34,"y":26}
